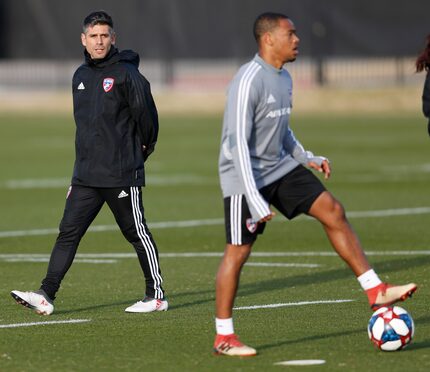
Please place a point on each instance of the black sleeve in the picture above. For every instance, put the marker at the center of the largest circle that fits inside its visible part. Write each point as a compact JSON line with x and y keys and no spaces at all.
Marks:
{"x":426,"y":96}
{"x":143,"y":111}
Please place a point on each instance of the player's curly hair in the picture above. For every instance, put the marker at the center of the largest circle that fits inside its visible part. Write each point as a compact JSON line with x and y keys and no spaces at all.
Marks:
{"x":423,"y":60}
{"x":266,"y":22}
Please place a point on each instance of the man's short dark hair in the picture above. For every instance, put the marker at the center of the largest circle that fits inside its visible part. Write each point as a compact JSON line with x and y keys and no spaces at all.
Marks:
{"x":99,"y":17}
{"x":266,"y":22}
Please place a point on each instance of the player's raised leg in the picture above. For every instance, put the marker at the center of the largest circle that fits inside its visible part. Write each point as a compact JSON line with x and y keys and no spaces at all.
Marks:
{"x":344,"y":240}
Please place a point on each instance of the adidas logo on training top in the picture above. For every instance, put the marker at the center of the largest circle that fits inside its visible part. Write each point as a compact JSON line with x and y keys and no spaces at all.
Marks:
{"x":122,"y":194}
{"x":271,"y":99}
{"x":81,"y":86}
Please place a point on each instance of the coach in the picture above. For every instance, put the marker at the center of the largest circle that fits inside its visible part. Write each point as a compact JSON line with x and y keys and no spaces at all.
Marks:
{"x":116,"y":130}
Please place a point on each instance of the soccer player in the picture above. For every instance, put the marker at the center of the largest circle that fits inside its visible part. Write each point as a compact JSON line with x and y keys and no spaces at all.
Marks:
{"x":423,"y":64}
{"x":116,"y":130}
{"x":261,"y":164}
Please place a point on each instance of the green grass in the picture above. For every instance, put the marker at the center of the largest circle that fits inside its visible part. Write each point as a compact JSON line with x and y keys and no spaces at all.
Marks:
{"x":379,"y":163}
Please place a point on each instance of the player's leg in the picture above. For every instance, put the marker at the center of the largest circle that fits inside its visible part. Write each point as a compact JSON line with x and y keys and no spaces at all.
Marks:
{"x":240,"y":238}
{"x":344,"y":240}
{"x":127,"y":207}
{"x":82,"y":206}
{"x":300,"y":191}
{"x":227,"y":279}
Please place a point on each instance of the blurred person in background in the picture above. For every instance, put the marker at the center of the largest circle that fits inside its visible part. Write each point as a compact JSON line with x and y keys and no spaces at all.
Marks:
{"x":261,"y":164}
{"x":116,"y":130}
{"x":423,"y":64}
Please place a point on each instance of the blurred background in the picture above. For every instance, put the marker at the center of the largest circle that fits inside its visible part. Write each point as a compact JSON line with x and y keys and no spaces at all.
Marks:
{"x":357,"y":101}
{"x":354,"y":55}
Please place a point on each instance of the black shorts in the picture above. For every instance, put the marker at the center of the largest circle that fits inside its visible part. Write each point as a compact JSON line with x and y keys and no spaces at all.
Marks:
{"x":291,"y":195}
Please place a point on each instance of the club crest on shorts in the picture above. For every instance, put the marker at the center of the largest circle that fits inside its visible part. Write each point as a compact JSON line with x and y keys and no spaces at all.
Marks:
{"x":108,"y":84}
{"x":251,"y":226}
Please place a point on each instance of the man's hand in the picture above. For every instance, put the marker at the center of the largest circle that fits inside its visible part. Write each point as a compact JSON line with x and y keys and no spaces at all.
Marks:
{"x":323,"y":168}
{"x":268,"y":217}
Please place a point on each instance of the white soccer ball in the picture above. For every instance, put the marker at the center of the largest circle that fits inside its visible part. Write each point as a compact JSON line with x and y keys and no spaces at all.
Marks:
{"x":391,"y":328}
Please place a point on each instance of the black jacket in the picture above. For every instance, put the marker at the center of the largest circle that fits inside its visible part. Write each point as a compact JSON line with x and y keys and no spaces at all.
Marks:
{"x":426,"y":100}
{"x":426,"y":96}
{"x":116,"y":121}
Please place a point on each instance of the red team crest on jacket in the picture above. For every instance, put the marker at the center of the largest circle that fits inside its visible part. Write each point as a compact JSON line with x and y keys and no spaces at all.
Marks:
{"x":108,"y":84}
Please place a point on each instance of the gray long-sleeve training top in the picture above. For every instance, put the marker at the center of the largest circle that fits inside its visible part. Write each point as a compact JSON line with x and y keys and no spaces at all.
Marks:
{"x":257,"y":146}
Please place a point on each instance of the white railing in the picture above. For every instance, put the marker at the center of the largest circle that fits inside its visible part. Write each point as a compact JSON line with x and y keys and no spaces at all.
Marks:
{"x":195,"y":75}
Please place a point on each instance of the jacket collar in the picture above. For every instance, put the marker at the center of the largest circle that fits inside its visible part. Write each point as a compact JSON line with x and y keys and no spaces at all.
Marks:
{"x":112,"y":57}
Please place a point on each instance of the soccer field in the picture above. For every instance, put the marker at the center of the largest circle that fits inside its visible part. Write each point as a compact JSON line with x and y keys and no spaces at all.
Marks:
{"x":381,"y":173}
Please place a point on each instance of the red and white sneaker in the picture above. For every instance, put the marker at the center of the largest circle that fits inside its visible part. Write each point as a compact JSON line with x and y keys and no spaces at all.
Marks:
{"x":148,"y":305}
{"x":230,"y":345}
{"x":38,"y":301}
{"x":386,"y":294}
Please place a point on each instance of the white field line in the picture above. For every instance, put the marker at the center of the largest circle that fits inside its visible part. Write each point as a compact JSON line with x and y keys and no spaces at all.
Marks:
{"x":102,"y":228}
{"x":334,"y":254}
{"x":303,"y":362}
{"x":46,"y":259}
{"x":302,"y":303}
{"x":216,"y":221}
{"x":396,"y":172}
{"x":273,"y":264}
{"x":48,"y":183}
{"x":389,"y":212}
{"x":57,"y":183}
{"x":106,"y":257}
{"x":71,"y":321}
{"x":95,"y":258}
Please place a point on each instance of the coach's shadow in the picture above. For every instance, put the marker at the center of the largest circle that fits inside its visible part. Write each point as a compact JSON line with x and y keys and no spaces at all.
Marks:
{"x":100,"y":306}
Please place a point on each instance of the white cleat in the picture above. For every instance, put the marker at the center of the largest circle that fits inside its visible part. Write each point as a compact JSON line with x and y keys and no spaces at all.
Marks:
{"x":148,"y":305}
{"x":34,"y":300}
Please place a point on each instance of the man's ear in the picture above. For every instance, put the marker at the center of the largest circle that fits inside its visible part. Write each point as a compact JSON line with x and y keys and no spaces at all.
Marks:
{"x":113,"y":37}
{"x":267,"y":38}
{"x":83,"y":40}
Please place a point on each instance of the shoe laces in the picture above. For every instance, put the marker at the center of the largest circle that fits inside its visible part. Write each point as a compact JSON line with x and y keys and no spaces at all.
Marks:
{"x":381,"y":288}
{"x":229,"y":341}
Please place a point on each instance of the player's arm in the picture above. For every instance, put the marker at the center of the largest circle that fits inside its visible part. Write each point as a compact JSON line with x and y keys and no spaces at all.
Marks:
{"x":240,"y":116}
{"x":426,"y":96}
{"x":143,"y":111}
{"x":297,"y":151}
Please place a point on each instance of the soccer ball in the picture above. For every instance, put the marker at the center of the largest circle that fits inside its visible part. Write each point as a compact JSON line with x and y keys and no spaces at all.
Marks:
{"x":391,"y":328}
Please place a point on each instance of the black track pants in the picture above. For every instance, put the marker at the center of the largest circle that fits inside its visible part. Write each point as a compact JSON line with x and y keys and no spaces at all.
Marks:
{"x":82,"y":206}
